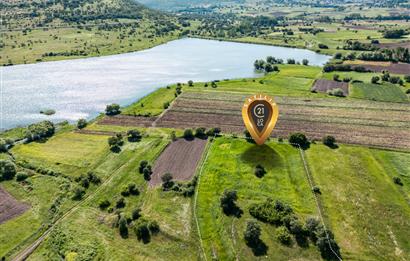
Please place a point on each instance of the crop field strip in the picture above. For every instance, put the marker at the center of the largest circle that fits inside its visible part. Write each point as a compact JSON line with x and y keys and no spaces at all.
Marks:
{"x":357,"y":122}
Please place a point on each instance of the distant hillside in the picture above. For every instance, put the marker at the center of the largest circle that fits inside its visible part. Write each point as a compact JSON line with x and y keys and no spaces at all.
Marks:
{"x":176,"y":5}
{"x":34,"y":30}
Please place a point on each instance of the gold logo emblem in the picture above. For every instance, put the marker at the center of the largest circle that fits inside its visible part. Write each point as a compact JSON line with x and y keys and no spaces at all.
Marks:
{"x":260,"y":114}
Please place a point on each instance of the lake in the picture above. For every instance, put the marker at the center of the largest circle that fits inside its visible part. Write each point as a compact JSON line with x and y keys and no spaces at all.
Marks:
{"x":81,"y":88}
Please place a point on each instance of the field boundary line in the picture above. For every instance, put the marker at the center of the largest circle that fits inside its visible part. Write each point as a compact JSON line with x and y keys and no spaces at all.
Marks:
{"x":196,"y":197}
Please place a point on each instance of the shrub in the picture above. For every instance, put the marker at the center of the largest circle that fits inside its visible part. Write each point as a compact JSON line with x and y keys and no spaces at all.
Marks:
{"x":166,"y":105}
{"x":311,"y":225}
{"x":347,"y":79}
{"x":167,"y":182}
{"x":316,"y":189}
{"x":120,"y":203}
{"x":81,"y":123}
{"x":200,"y":132}
{"x":122,"y":227}
{"x":78,"y":193}
{"x":133,"y":190}
{"x":299,"y":139}
{"x":336,"y":77}
{"x":112,"y":109}
{"x":104,"y":204}
{"x":326,"y":243}
{"x":21,"y":176}
{"x":147,"y":172}
{"x":134,"y":135}
{"x":408,"y":91}
{"x":291,"y":61}
{"x":213,"y":131}
{"x":136,"y":214}
{"x":407,"y":78}
{"x":153,"y":227}
{"x":305,"y":61}
{"x":125,"y":191}
{"x":397,"y":181}
{"x":283,"y":235}
{"x":228,"y":203}
{"x":143,"y":164}
{"x":188,"y":134}
{"x":329,"y":141}
{"x":375,"y":79}
{"x":296,"y":227}
{"x":7,"y":170}
{"x":259,"y":171}
{"x":338,"y":56}
{"x":394,"y":79}
{"x":115,"y":142}
{"x":252,"y":233}
{"x":142,"y":231}
{"x":273,"y":212}
{"x":190,"y":83}
{"x":323,"y":46}
{"x":336,"y":92}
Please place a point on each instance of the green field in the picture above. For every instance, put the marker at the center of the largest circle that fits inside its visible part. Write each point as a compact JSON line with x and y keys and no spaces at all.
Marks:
{"x":378,"y":92}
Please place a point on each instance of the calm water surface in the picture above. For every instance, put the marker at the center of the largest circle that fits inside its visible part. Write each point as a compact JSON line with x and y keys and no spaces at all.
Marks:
{"x":81,"y":88}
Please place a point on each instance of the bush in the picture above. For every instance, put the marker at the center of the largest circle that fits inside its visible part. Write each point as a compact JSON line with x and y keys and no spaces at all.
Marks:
{"x":283,"y":235}
{"x":104,"y":204}
{"x":338,"y":56}
{"x":7,"y":170}
{"x":167,"y":182}
{"x":326,"y":243}
{"x":347,"y":79}
{"x":142,"y":231}
{"x":134,"y":135}
{"x":228,"y":203}
{"x":213,"y":132}
{"x":21,"y":176}
{"x":112,"y":109}
{"x":200,"y":132}
{"x":336,"y":77}
{"x":133,"y":190}
{"x":259,"y":171}
{"x":336,"y":92}
{"x":252,"y":233}
{"x":316,"y":189}
{"x":299,"y":139}
{"x":408,"y":91}
{"x":4,"y":144}
{"x":329,"y":141}
{"x":78,"y":193}
{"x":311,"y":225}
{"x":125,"y":192}
{"x":188,"y":134}
{"x":143,"y":164}
{"x":305,"y":61}
{"x":394,"y":79}
{"x":136,"y":214}
{"x":190,"y":83}
{"x":122,"y":227}
{"x":147,"y":172}
{"x":153,"y":227}
{"x":120,"y":203}
{"x":375,"y":79}
{"x":166,"y":105}
{"x":81,"y":123}
{"x":397,"y":181}
{"x":115,"y":142}
{"x":323,"y":46}
{"x":273,"y":212}
{"x":407,"y":78}
{"x":291,"y":61}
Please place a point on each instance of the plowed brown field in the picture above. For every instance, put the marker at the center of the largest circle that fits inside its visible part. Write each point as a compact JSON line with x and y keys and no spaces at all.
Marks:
{"x":180,"y":158}
{"x":10,"y":207}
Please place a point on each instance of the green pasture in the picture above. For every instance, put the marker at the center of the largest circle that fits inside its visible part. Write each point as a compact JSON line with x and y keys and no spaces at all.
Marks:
{"x":385,"y":92}
{"x":230,"y":165}
{"x":368,"y":213}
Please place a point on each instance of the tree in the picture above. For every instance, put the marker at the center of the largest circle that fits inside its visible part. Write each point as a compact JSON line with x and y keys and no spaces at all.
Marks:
{"x":397,"y":180}
{"x":39,"y":131}
{"x":5,"y":144}
{"x":252,"y":233}
{"x":299,"y":139}
{"x":329,"y":141}
{"x":407,"y":78}
{"x":153,"y":227}
{"x":133,"y":189}
{"x":112,"y":109}
{"x":326,"y":243}
{"x":104,"y":204}
{"x":291,"y":61}
{"x":81,"y":123}
{"x":122,"y":226}
{"x":336,"y":77}
{"x":120,"y":203}
{"x":188,"y":134}
{"x":115,"y":142}
{"x":7,"y":170}
{"x":395,"y":33}
{"x":134,"y":135}
{"x":167,"y":182}
{"x":305,"y":61}
{"x":375,"y":79}
{"x":190,"y":83}
{"x":228,"y":203}
{"x":311,"y":225}
{"x":78,"y":193}
{"x":259,"y":171}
